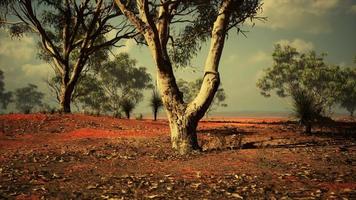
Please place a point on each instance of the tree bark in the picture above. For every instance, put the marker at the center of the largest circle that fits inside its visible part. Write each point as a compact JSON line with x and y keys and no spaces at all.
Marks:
{"x":65,"y":99}
{"x":183,"y":133}
{"x":155,"y":115}
{"x":308,"y":128}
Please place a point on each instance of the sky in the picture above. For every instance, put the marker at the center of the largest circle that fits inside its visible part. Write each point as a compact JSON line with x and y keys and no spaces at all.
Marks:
{"x":326,"y":26}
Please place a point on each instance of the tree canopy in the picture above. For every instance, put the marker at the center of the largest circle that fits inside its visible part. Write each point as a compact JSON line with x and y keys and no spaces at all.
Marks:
{"x":293,"y":70}
{"x":347,"y":94}
{"x":313,"y":85}
{"x":28,"y":98}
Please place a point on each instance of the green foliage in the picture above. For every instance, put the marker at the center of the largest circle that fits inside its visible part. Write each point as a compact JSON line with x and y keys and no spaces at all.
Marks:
{"x":347,"y":94}
{"x":5,"y":97}
{"x":122,"y":80}
{"x":195,"y":22}
{"x":191,"y":89}
{"x":155,"y":103}
{"x":293,"y":71}
{"x":90,"y":94}
{"x":107,"y":88}
{"x":27,"y":98}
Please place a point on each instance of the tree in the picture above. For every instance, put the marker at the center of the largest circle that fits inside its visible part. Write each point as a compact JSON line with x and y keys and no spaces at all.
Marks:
{"x":306,"y":78}
{"x":5,"y":97}
{"x":174,"y":32}
{"x":27,"y":98}
{"x":104,"y":89}
{"x":71,"y":34}
{"x":155,"y":103}
{"x":191,"y":89}
{"x":122,"y":80}
{"x":347,"y":95}
{"x":90,"y":94}
{"x":127,"y":106}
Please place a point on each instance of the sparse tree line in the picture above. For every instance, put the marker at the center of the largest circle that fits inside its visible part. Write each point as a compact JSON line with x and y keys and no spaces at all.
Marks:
{"x":314,"y":86}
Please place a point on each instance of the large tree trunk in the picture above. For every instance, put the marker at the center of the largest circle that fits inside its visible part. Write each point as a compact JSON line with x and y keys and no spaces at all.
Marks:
{"x":183,"y":133}
{"x":65,"y":99}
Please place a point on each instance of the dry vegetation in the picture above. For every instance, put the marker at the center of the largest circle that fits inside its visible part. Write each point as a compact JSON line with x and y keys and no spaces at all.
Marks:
{"x":85,"y":157}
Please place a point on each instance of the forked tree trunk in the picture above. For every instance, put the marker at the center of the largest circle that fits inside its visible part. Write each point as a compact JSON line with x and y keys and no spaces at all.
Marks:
{"x":183,"y":118}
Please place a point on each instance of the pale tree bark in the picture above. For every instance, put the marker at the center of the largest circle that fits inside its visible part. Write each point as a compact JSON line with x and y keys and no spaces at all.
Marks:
{"x":183,"y":118}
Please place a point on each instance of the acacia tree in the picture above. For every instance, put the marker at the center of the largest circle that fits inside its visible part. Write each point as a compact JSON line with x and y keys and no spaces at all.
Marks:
{"x":160,"y":22}
{"x":312,"y":84}
{"x":69,"y":31}
{"x":5,"y":97}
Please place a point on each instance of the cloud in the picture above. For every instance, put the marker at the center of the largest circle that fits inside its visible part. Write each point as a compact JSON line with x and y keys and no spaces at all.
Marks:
{"x":299,"y":44}
{"x":306,"y":15}
{"x":259,"y":57}
{"x":24,"y":49}
{"x":39,"y":71}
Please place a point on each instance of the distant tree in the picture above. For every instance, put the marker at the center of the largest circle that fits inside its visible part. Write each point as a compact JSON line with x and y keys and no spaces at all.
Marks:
{"x":123,"y":82}
{"x":70,"y":33}
{"x":155,"y":103}
{"x":5,"y":97}
{"x":306,"y":78}
{"x":90,"y":94}
{"x":191,"y":89}
{"x":27,"y":98}
{"x":127,"y":105}
{"x":101,"y":89}
{"x":347,"y":94}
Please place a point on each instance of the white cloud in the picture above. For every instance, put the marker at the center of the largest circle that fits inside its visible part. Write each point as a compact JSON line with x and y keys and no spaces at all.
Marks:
{"x":37,"y":71}
{"x":306,"y":15}
{"x":24,"y":49}
{"x":299,"y":44}
{"x":259,"y":57}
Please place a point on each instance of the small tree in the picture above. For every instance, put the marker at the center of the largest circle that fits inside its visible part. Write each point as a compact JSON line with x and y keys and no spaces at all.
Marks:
{"x":312,"y":84}
{"x":305,"y":108}
{"x":5,"y":97}
{"x":127,"y":106}
{"x":155,"y":103}
{"x":27,"y":98}
{"x":347,"y":95}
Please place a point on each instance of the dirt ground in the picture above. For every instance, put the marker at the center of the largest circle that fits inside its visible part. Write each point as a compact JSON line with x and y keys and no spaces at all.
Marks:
{"x":86,"y":157}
